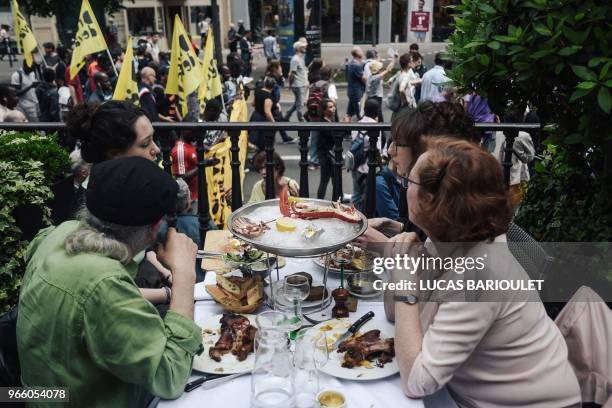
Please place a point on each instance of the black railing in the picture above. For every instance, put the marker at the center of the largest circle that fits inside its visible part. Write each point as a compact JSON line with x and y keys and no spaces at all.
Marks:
{"x":304,"y":128}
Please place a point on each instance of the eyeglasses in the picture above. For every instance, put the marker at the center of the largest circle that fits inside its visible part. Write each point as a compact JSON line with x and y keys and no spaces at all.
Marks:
{"x":405,"y":182}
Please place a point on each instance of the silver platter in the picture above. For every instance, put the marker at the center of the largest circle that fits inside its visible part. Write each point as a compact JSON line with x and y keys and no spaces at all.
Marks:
{"x":304,"y":251}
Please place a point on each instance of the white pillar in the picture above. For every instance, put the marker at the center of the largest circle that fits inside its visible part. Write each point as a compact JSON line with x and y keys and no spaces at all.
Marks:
{"x":346,"y":21}
{"x":384,"y":21}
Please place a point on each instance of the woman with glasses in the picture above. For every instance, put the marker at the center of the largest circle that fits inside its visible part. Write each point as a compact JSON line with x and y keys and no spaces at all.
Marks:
{"x":489,"y":348}
{"x":410,"y":131}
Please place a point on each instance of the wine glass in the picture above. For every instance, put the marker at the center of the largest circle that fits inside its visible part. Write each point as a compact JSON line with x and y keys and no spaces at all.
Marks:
{"x":343,"y":256}
{"x":295,"y":289}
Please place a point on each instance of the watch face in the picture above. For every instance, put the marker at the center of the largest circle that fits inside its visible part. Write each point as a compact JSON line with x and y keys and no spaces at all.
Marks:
{"x":410,"y":299}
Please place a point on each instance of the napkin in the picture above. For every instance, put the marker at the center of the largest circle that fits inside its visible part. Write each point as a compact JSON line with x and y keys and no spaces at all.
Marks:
{"x":199,"y":290}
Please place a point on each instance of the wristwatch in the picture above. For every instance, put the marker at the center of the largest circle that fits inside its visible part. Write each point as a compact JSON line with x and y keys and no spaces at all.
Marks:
{"x":410,"y":299}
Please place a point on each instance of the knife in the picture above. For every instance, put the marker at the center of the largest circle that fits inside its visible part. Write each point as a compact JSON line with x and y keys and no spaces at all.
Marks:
{"x":353,"y":329}
{"x":210,"y":381}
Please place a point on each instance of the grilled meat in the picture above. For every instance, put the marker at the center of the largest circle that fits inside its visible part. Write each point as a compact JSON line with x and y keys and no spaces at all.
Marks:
{"x":237,"y":337}
{"x":368,"y":346}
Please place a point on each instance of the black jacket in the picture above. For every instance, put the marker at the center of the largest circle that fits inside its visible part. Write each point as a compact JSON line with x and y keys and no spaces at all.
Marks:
{"x":48,"y":101}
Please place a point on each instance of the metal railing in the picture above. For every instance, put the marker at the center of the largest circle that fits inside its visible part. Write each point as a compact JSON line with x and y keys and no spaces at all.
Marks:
{"x":268,"y":130}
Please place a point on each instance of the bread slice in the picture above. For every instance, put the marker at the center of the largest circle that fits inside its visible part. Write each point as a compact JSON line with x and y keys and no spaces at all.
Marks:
{"x":235,"y":285}
{"x":223,"y":297}
{"x":255,"y":293}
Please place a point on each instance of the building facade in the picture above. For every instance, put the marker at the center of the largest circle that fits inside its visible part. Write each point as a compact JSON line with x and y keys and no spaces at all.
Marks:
{"x":356,"y":21}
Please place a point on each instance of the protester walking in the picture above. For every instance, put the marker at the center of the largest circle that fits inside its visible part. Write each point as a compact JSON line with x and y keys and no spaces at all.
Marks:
{"x":270,"y":46}
{"x":355,"y":83}
{"x":434,"y":81}
{"x":24,"y":81}
{"x":298,"y":80}
{"x":48,"y":97}
{"x":325,"y":145}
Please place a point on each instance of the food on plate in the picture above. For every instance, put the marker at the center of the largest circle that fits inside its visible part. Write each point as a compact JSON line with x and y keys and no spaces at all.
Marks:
{"x":285,"y":224}
{"x":244,"y":254}
{"x":367,"y":347}
{"x":237,"y":337}
{"x":248,"y":227}
{"x":362,"y":260}
{"x":306,"y":275}
{"x":237,"y":294}
{"x":299,"y":208}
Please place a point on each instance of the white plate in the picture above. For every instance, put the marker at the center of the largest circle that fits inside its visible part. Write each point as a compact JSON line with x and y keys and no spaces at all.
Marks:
{"x":229,"y":364}
{"x":305,"y":304}
{"x":334,"y":367}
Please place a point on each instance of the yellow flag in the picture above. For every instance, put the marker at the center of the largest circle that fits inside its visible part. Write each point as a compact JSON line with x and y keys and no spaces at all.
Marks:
{"x":25,"y":37}
{"x":127,"y":89}
{"x":211,"y":85}
{"x":89,"y":39}
{"x":219,"y":179}
{"x":240,"y":113}
{"x":185,"y":69}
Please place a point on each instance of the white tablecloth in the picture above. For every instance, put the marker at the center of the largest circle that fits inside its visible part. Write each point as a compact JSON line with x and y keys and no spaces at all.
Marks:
{"x":360,"y":394}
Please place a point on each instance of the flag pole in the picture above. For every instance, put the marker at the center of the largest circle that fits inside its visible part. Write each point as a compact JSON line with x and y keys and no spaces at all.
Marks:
{"x":111,"y":61}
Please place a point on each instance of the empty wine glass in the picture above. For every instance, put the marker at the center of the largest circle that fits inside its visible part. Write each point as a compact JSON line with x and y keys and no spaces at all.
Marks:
{"x":290,"y":296}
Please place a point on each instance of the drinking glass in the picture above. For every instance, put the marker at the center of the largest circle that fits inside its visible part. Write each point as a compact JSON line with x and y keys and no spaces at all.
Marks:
{"x":296,"y":289}
{"x":310,"y":354}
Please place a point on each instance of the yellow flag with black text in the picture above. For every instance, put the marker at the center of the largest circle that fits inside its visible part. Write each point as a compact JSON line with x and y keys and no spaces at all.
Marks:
{"x":126,"y":88}
{"x":240,"y":113}
{"x":25,"y":37}
{"x":185,"y":73}
{"x":211,"y":86}
{"x":89,"y":39}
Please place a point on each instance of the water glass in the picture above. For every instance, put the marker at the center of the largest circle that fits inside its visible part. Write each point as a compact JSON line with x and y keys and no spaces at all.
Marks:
{"x":311,"y":353}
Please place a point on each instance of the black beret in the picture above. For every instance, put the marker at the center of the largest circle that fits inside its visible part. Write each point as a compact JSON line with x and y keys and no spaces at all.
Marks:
{"x":130,"y":191}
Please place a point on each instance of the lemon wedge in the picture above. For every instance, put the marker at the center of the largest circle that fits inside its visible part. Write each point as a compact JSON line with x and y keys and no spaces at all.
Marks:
{"x":285,"y":224}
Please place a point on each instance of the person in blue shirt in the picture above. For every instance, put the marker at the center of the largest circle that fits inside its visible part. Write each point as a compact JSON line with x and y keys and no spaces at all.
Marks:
{"x":388,"y":190}
{"x":355,"y":82}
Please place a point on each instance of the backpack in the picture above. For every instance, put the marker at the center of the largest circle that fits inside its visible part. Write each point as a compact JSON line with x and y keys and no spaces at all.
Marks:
{"x":316,"y":94}
{"x":394,"y":100}
{"x":357,"y":155}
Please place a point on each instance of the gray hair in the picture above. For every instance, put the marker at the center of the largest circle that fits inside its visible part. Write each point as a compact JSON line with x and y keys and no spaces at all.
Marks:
{"x":183,"y":198}
{"x":120,"y":242}
{"x":78,"y":163}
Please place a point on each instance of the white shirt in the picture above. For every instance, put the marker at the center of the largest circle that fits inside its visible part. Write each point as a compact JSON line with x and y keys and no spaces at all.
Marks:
{"x":28,"y":99}
{"x":332,"y":92}
{"x":431,"y":87}
{"x":203,"y":27}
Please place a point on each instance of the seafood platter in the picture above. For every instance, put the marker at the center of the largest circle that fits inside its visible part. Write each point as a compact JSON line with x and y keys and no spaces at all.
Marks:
{"x":297,"y":227}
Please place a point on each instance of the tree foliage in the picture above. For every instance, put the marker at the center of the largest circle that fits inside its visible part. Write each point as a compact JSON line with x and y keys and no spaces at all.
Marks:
{"x":554,"y":55}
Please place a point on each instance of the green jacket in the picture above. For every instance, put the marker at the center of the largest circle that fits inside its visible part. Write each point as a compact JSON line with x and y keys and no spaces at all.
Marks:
{"x":83,"y":324}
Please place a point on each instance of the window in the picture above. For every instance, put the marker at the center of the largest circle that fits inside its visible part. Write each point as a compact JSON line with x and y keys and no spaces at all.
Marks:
{"x":442,"y":19}
{"x":141,"y":20}
{"x":399,"y":20}
{"x":330,"y":21}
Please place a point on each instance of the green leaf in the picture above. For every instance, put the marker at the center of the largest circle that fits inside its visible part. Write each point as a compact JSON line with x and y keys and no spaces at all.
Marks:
{"x":494,"y":45}
{"x":608,"y":83}
{"x":584,"y":73}
{"x":542,"y":29}
{"x":579,"y":93}
{"x":586,"y":85}
{"x":569,"y":50}
{"x":542,"y":53}
{"x":604,"y":71}
{"x":473,"y":44}
{"x":486,"y":8}
{"x":574,"y":138}
{"x":604,"y":99}
{"x":593,"y":62}
{"x":539,"y":167}
{"x":559,"y":67}
{"x":549,"y":22}
{"x":579,"y":16}
{"x":505,"y":38}
{"x":484,"y":59}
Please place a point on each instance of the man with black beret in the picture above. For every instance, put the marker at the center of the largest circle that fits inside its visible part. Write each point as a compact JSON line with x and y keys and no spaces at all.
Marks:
{"x":82,"y":321}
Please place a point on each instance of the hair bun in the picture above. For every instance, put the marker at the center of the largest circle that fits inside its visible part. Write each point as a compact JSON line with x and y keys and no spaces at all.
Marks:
{"x":79,"y":121}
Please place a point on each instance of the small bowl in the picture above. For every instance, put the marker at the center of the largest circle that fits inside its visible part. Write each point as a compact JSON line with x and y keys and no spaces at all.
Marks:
{"x":362,"y":284}
{"x":331,"y":399}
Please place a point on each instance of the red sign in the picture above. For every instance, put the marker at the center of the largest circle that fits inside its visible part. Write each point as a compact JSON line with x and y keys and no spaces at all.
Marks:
{"x":419,"y":21}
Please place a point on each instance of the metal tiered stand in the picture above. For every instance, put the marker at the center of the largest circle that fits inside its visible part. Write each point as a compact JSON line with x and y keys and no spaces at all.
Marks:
{"x":307,"y":250}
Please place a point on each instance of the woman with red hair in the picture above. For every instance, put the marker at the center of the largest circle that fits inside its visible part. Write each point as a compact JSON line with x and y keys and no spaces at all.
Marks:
{"x":489,"y":348}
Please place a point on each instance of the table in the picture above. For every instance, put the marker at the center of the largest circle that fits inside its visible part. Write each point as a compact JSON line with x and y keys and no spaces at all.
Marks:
{"x":382,"y":393}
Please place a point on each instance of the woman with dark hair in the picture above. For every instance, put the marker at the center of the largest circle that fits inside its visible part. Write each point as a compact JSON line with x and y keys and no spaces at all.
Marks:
{"x":275,"y":70}
{"x":325,"y":145}
{"x":280,"y":181}
{"x":112,"y":129}
{"x":314,"y":70}
{"x":263,"y":102}
{"x":120,"y":129}
{"x":487,"y":347}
